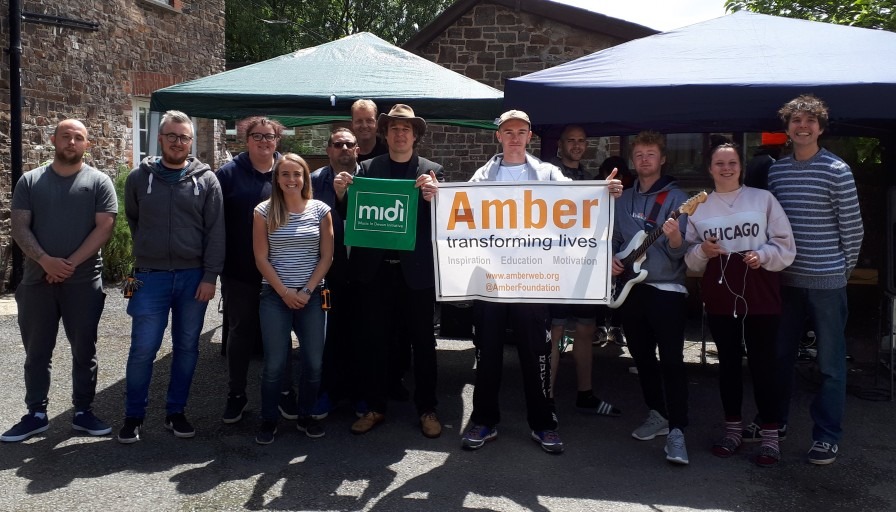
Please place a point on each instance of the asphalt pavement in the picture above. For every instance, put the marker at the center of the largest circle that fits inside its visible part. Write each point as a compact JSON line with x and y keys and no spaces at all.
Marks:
{"x":394,"y":468}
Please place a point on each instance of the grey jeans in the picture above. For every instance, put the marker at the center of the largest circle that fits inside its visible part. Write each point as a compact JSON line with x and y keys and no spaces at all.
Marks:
{"x":40,"y":306}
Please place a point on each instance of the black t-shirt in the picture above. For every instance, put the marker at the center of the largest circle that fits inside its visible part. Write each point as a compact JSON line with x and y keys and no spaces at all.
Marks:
{"x":379,"y":149}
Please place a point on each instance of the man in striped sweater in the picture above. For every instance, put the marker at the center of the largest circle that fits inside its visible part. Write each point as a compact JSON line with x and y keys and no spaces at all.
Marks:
{"x":817,"y":191}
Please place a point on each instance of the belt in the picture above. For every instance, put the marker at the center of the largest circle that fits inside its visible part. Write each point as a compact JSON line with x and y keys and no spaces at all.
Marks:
{"x":147,"y":270}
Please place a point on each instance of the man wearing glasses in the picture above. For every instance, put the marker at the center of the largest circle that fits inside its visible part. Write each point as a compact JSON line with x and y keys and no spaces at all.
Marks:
{"x":337,"y":381}
{"x":173,"y":204}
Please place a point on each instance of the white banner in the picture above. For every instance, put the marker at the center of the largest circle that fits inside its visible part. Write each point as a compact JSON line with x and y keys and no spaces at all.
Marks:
{"x":533,"y":241}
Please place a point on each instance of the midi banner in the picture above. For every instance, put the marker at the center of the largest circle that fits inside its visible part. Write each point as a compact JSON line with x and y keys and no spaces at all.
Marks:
{"x":381,"y":214}
{"x":534,"y":241}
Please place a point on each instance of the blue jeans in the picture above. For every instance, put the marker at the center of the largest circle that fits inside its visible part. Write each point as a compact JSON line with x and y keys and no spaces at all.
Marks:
{"x":277,"y":321}
{"x":164,"y":291}
{"x":828,"y":311}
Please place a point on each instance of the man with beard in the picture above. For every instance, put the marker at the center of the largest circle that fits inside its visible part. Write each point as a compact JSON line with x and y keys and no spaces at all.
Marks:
{"x":62,"y":214}
{"x":571,"y":148}
{"x":174,"y":208}
{"x":337,"y":380}
{"x":364,"y":128}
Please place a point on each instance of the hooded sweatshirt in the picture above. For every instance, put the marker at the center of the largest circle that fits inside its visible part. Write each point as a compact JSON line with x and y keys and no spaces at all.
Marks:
{"x":243,"y":188}
{"x":665,"y":265}
{"x":176,"y":226}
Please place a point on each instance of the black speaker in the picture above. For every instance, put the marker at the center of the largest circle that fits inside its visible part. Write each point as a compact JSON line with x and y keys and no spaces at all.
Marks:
{"x":889,"y":265}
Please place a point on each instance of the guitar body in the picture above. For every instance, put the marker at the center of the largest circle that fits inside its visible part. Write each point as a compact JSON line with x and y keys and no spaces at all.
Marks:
{"x":632,"y":274}
{"x":635,"y":253}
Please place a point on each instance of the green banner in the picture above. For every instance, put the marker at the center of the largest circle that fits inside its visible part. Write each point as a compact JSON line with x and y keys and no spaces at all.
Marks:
{"x":382,"y":214}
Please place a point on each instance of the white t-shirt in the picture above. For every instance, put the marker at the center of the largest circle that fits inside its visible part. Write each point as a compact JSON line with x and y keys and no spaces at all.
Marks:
{"x":294,"y":249}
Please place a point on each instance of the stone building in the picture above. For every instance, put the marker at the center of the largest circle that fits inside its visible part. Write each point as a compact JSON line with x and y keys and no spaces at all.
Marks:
{"x":99,"y":61}
{"x":494,"y":40}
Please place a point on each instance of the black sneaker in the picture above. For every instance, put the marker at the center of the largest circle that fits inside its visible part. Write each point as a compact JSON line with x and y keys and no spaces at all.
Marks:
{"x":85,"y":421}
{"x":615,"y":335}
{"x":233,"y":411}
{"x":267,"y":432}
{"x":29,"y":425}
{"x":130,"y":432}
{"x":178,"y":424}
{"x":311,"y":427}
{"x":750,"y":433}
{"x":289,"y":406}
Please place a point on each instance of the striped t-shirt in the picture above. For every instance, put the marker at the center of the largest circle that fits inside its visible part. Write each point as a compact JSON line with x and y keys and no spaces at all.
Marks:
{"x":820,"y":199}
{"x":294,"y":249}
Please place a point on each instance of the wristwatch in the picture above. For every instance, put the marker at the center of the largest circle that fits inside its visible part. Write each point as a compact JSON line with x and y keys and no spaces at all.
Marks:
{"x":306,"y":290}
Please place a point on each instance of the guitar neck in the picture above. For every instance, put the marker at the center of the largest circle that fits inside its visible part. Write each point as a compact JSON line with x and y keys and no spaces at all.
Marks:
{"x":651,"y":238}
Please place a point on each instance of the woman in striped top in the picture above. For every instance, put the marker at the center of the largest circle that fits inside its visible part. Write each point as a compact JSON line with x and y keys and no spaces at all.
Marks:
{"x":293,"y":244}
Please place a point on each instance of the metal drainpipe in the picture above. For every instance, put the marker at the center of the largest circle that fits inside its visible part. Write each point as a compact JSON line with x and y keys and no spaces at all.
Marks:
{"x":15,"y":120}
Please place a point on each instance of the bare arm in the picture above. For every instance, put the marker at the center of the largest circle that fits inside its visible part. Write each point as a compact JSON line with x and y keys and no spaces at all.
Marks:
{"x":326,"y":253}
{"x":261,"y":249}
{"x":98,"y":237}
{"x":57,"y":269}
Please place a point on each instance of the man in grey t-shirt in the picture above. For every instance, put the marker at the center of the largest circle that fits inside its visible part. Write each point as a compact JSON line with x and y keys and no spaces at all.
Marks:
{"x":62,"y":214}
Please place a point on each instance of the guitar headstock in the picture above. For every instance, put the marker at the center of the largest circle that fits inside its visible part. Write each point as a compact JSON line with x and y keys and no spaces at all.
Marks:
{"x":690,"y":206}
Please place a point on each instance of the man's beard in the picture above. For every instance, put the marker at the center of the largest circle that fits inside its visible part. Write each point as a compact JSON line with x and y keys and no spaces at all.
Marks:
{"x":168,"y":158}
{"x":68,"y":160}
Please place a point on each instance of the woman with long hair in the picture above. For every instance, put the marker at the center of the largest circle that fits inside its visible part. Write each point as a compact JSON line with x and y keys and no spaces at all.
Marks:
{"x":740,"y":239}
{"x":293,"y":245}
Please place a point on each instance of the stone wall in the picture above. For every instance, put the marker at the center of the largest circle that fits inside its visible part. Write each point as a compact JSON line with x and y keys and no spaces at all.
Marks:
{"x":140,"y":46}
{"x":492,"y":43}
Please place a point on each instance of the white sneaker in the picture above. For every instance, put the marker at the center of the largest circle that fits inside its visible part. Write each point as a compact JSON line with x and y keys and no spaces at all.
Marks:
{"x":676,"y":451}
{"x":654,"y":425}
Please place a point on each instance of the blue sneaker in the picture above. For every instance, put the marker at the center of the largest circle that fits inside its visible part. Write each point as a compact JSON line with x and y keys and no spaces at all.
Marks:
{"x":549,"y":440}
{"x":85,"y":421}
{"x":322,"y":408}
{"x":361,"y":408}
{"x":29,"y":425}
{"x":477,"y":435}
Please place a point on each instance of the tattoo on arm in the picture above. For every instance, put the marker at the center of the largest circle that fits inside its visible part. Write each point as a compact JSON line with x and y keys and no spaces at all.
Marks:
{"x":21,"y":233}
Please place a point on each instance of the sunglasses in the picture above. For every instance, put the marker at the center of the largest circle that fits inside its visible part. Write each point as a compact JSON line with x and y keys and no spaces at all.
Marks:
{"x":341,"y":145}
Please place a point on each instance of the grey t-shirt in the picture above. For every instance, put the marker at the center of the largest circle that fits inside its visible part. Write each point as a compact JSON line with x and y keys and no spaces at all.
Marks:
{"x":63,"y":213}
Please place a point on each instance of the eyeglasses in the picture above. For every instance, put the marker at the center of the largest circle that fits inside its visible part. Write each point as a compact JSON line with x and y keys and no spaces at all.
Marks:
{"x":266,"y":136}
{"x":340,"y":145}
{"x":173,"y":137}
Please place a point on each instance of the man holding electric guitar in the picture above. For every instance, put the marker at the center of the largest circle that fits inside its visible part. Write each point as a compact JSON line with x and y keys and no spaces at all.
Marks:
{"x":654,"y":311}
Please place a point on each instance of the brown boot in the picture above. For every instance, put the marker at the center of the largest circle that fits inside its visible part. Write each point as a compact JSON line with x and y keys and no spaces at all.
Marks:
{"x":429,"y":425}
{"x":366,"y":423}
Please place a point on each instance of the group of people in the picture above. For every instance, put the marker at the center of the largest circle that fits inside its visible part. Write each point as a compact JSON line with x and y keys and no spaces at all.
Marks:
{"x":771,"y":260}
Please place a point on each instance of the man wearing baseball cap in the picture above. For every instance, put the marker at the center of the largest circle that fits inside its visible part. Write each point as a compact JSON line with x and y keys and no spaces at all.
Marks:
{"x":396,"y":289}
{"x":526,"y":320}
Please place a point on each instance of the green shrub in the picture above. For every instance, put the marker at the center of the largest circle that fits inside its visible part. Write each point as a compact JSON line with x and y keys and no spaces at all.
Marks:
{"x":117,"y":257}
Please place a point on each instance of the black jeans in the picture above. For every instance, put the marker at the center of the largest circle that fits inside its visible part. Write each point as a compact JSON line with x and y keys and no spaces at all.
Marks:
{"x":241,"y":302}
{"x":339,"y":368}
{"x":759,"y":333}
{"x":656,"y":318}
{"x":387,"y":305}
{"x":40,"y":307}
{"x":534,"y":349}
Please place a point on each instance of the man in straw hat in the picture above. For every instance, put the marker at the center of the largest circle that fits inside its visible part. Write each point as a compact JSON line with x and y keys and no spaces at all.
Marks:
{"x":391,"y":281}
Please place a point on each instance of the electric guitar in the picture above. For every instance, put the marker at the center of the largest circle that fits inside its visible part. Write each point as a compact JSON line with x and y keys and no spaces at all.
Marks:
{"x":635,"y":253}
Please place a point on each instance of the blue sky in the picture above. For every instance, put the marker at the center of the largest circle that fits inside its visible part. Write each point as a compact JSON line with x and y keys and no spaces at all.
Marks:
{"x":657,"y":14}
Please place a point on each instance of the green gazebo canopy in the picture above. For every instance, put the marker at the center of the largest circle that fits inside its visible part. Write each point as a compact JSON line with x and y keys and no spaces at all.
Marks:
{"x":318,"y":85}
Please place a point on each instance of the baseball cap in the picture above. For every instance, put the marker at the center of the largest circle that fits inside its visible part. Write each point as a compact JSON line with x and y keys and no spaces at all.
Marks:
{"x":513,"y":114}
